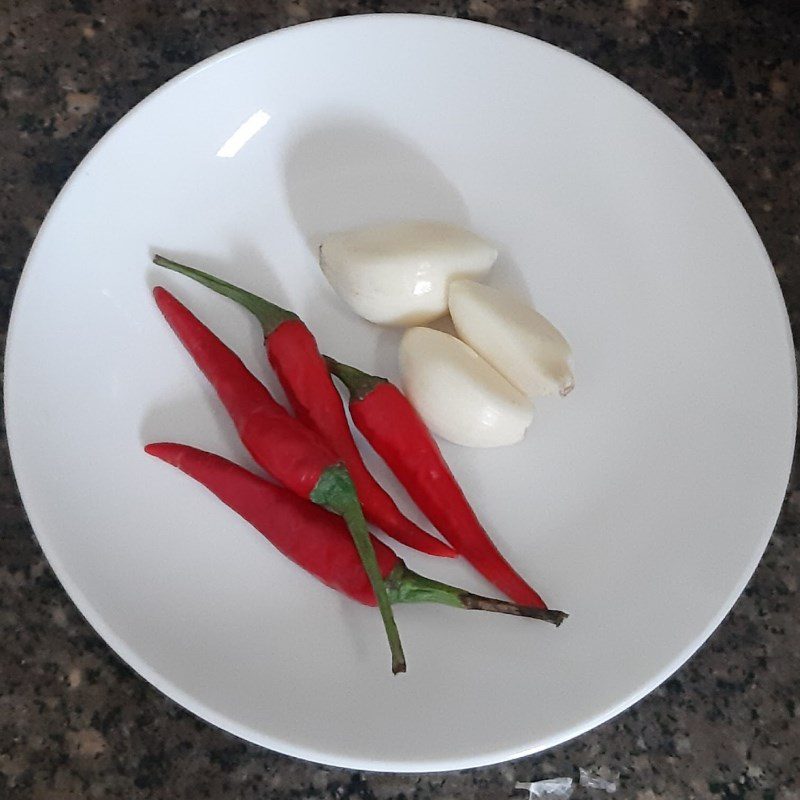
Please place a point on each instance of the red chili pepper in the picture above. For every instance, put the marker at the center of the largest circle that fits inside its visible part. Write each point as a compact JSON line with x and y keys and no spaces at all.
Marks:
{"x":295,"y":357}
{"x":318,"y":541}
{"x":397,"y":433}
{"x":281,"y":444}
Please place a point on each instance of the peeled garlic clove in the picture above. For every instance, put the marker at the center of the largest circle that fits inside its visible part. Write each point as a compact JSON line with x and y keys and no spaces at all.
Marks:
{"x":516,"y":340}
{"x":399,"y":274}
{"x":459,"y":396}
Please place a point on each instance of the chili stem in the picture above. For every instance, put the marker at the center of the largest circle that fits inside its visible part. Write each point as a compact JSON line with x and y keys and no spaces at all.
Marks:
{"x":359,"y":384}
{"x":268,"y":314}
{"x":335,"y":491}
{"x":406,"y":586}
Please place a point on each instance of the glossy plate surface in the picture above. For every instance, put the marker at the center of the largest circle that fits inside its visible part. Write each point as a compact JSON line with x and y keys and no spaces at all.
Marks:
{"x":641,"y":503}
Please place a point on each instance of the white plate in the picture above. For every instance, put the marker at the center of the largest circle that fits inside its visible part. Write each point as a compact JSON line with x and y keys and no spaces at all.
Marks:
{"x":641,"y":503}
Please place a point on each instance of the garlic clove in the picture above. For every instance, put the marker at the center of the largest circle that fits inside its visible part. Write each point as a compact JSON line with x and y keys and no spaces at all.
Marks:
{"x":459,"y":395}
{"x":399,"y":274}
{"x":514,"y":338}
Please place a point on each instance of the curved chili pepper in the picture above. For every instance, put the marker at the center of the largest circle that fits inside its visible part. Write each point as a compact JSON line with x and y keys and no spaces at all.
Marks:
{"x":293,"y":354}
{"x":397,"y":433}
{"x":281,"y":444}
{"x":318,"y":541}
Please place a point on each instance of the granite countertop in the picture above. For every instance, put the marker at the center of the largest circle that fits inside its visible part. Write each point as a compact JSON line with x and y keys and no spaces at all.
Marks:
{"x":75,"y":722}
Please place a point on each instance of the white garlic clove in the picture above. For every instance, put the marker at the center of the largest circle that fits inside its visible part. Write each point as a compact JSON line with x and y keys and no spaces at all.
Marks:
{"x":399,"y":274}
{"x":459,"y":395}
{"x":514,"y":338}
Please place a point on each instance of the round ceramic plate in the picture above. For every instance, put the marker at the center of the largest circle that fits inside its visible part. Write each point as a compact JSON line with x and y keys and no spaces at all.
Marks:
{"x":640,"y":504}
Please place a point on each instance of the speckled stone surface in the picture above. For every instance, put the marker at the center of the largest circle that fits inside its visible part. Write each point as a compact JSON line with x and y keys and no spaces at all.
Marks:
{"x":77,"y":723}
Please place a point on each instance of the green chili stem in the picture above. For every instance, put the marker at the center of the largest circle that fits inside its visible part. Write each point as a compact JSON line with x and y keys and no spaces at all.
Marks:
{"x":268,"y":314}
{"x":359,"y":384}
{"x":406,"y":586}
{"x":335,"y":491}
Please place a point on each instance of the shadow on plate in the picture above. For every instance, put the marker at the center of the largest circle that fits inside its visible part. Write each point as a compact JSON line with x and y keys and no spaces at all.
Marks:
{"x":343,"y":174}
{"x":176,"y":419}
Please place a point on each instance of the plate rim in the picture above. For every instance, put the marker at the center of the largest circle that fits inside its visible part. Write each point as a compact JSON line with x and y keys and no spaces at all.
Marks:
{"x":194,"y":705}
